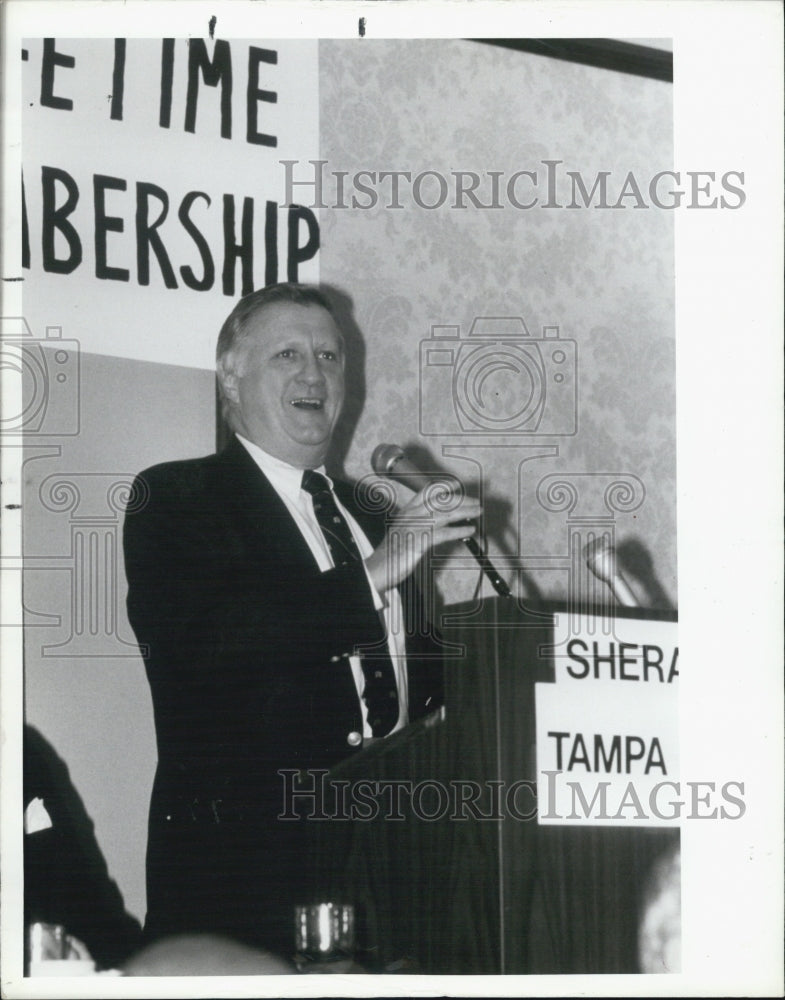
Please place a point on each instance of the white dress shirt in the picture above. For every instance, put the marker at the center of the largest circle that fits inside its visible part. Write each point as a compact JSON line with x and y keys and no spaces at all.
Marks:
{"x":286,"y":480}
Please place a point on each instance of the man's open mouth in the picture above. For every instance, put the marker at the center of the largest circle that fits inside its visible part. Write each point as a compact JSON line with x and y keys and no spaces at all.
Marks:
{"x":307,"y":403}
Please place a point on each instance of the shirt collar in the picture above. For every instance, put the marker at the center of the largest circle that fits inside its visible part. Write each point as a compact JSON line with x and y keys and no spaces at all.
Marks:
{"x":286,"y":479}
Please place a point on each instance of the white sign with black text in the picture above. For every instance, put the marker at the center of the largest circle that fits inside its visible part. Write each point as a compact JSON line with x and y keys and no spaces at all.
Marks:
{"x":153,"y":187}
{"x":607,"y":729}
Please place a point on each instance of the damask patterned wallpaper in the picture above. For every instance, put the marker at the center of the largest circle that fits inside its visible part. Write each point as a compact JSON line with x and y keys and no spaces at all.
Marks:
{"x":555,"y":460}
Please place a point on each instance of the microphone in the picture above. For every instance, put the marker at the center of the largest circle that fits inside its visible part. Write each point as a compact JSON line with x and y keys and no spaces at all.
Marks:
{"x":390,"y":460}
{"x":600,"y":557}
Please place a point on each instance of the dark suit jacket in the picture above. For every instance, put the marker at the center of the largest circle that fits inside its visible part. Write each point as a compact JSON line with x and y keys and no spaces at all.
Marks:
{"x":246,"y":647}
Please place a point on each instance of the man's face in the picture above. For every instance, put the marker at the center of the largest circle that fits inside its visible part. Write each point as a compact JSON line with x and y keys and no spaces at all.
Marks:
{"x":288,"y":382}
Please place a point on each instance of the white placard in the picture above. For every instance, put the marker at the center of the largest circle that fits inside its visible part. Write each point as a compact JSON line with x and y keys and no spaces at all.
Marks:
{"x":607,"y":729}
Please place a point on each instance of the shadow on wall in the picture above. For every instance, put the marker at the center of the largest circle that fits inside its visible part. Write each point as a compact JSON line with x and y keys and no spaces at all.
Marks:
{"x":636,"y":561}
{"x":355,"y":376}
{"x":66,"y":878}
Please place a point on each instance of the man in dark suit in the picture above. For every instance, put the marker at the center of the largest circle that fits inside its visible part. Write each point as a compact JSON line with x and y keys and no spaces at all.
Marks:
{"x":252,"y":620}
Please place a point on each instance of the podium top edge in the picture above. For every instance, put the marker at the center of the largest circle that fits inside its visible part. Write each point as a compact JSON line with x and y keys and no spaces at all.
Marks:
{"x":542,"y":609}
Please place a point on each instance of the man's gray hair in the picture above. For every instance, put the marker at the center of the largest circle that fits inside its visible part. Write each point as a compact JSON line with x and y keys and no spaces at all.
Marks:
{"x":235,"y":328}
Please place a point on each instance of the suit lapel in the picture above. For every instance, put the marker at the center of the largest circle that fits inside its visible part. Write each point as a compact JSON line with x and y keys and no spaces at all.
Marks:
{"x":266,"y":521}
{"x":264,"y":517}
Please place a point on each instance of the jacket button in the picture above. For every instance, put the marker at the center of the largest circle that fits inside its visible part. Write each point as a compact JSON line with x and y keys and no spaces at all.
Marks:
{"x":354,"y":739}
{"x":334,"y":659}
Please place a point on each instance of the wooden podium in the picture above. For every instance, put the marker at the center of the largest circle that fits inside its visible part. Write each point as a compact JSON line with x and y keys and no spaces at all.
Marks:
{"x":453,"y":882}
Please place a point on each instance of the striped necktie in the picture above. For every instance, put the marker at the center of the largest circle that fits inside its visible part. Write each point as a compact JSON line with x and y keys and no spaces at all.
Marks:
{"x":379,"y":693}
